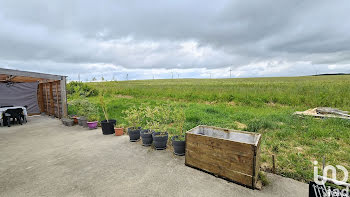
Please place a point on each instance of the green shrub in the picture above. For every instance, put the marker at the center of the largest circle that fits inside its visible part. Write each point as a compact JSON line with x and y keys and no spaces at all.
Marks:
{"x":263,"y":178}
{"x":255,"y":125}
{"x":133,"y":117}
{"x":81,"y":89}
{"x":82,"y":107}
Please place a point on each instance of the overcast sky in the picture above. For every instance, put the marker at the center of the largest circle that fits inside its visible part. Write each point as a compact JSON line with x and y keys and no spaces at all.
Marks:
{"x":187,"y":38}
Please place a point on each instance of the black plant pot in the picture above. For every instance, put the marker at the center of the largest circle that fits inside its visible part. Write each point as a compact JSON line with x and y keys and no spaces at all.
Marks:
{"x":108,"y":127}
{"x":146,"y":137}
{"x":114,"y":122}
{"x":160,"y":139}
{"x":134,"y":134}
{"x":179,"y":146}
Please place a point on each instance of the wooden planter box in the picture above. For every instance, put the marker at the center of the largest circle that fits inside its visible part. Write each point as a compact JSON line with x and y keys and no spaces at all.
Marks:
{"x":230,"y":154}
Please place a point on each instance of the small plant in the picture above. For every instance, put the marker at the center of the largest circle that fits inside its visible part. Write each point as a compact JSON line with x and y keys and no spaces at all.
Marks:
{"x":255,"y":125}
{"x":78,"y":89}
{"x":82,"y":107}
{"x":103,"y":106}
{"x":165,"y":117}
{"x":133,"y":117}
{"x":93,"y":117}
{"x":151,"y":115}
{"x":121,"y":125}
{"x":158,"y":118}
{"x":179,"y":116}
{"x":263,"y":178}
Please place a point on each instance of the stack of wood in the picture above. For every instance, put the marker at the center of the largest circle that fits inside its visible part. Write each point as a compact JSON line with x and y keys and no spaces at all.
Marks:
{"x":325,"y":112}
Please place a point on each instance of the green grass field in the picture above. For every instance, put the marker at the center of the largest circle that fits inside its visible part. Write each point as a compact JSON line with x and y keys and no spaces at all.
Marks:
{"x":263,"y":105}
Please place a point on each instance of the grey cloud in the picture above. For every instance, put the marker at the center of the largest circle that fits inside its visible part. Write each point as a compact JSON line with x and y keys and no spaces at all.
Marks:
{"x":159,"y":34}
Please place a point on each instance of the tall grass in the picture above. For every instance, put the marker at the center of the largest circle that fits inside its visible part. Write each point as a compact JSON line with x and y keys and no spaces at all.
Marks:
{"x":333,"y":91}
{"x":263,"y":105}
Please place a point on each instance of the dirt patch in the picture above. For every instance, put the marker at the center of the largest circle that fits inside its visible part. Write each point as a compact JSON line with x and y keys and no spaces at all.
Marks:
{"x":271,"y":104}
{"x":300,"y":149}
{"x":240,"y":125}
{"x":210,"y":103}
{"x":124,"y":96}
{"x":232,"y":103}
{"x":265,"y":167}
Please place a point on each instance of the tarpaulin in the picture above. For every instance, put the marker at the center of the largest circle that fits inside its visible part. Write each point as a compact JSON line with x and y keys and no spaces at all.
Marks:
{"x":20,"y":94}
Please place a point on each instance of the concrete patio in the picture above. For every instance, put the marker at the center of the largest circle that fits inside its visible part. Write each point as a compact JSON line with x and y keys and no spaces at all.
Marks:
{"x":46,"y":158}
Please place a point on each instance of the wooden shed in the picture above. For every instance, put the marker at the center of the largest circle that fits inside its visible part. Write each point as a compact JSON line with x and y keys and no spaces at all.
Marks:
{"x":42,"y":93}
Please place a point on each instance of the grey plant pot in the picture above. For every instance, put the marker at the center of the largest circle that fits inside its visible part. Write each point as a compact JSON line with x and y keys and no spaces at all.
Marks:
{"x":82,"y":121}
{"x":160,"y":140}
{"x":69,"y":122}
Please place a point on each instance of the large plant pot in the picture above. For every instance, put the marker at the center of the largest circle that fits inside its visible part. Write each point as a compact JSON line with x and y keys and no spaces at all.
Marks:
{"x":211,"y":149}
{"x":160,"y":139}
{"x":114,"y":122}
{"x":134,"y":134}
{"x":118,"y":131}
{"x":108,"y":127}
{"x":64,"y":121}
{"x":178,"y":145}
{"x":82,"y":121}
{"x":146,"y":137}
{"x":69,"y":122}
{"x":92,"y":125}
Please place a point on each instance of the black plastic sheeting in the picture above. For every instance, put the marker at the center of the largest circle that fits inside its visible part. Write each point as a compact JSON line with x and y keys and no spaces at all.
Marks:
{"x":20,"y":94}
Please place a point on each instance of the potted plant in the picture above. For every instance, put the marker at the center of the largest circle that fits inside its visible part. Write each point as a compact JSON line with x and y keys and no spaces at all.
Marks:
{"x":160,"y":140}
{"x":160,"y":120}
{"x":178,"y":140}
{"x":107,"y":125}
{"x":82,"y":121}
{"x":68,"y":121}
{"x":119,"y":130}
{"x":64,"y":121}
{"x":92,"y":121}
{"x":134,"y":120}
{"x":75,"y":119}
{"x":146,"y":134}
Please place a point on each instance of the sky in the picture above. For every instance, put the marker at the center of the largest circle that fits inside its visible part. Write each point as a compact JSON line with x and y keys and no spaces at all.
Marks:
{"x":181,"y":39}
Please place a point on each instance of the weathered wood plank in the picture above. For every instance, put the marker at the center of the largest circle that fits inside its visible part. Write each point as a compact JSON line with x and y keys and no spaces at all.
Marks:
{"x":243,"y":166}
{"x":240,"y":148}
{"x":256,"y":163}
{"x":192,"y":160}
{"x":63,"y":97}
{"x":52,"y":107}
{"x":41,"y":98}
{"x":47,"y":100}
{"x":29,"y":74}
{"x":227,"y":154}
{"x":57,"y":100}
